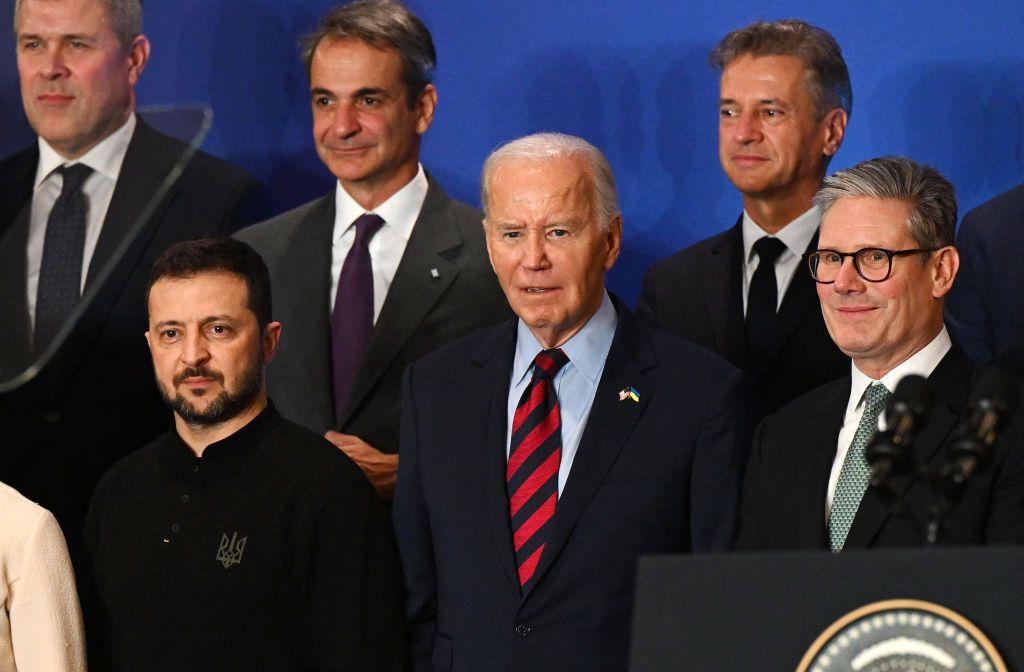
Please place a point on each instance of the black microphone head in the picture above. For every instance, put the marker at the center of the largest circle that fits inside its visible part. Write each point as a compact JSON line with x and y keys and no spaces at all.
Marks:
{"x":913,"y":396}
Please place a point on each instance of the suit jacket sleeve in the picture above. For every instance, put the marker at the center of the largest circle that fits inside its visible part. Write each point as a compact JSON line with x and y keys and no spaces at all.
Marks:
{"x":718,"y":466}
{"x":967,"y":311}
{"x":415,"y":544}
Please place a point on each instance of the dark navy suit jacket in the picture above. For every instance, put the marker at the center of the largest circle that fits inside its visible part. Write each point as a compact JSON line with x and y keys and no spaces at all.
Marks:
{"x":985,"y":310}
{"x":654,"y":476}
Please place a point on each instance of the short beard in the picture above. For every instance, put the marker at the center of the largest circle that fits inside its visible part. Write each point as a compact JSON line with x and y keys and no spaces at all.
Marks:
{"x":226,"y":405}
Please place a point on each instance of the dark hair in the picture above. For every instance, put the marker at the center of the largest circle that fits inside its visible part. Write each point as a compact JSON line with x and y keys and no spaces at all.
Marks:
{"x":816,"y":48}
{"x":383,"y":24}
{"x":210,"y":255}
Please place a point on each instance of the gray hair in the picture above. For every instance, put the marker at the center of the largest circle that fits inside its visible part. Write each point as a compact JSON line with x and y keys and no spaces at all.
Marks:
{"x":123,"y":16}
{"x":932,"y":201}
{"x":816,"y":48}
{"x":383,"y":24}
{"x":541,"y":147}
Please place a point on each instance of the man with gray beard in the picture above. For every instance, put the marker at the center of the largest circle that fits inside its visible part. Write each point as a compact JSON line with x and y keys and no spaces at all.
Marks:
{"x":240,"y":540}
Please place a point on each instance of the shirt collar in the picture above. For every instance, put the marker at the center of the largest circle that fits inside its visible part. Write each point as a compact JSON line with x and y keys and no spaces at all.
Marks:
{"x":233,"y":446}
{"x":586,"y":350}
{"x":105,"y":158}
{"x":796,"y":235}
{"x":398,"y":212}
{"x":921,"y":363}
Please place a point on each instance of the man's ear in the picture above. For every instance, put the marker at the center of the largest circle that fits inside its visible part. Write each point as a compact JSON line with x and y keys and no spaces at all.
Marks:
{"x":138,"y":56}
{"x":834,"y":128}
{"x":944,"y":269}
{"x":270,"y":341}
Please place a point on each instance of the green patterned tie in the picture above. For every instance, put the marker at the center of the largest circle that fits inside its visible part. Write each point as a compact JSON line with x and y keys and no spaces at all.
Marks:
{"x":853,"y":478}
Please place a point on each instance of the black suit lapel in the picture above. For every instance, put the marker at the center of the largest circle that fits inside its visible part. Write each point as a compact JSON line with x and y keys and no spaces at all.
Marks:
{"x":494,"y":357}
{"x":16,"y":201}
{"x":609,"y":426}
{"x":817,"y":440}
{"x":723,"y":294}
{"x":423,"y":275}
{"x":145,"y":168}
{"x":800,"y":298}
{"x":949,"y":385}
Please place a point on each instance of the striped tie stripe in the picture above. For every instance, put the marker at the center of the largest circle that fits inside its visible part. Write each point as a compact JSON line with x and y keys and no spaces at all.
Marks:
{"x":535,"y":452}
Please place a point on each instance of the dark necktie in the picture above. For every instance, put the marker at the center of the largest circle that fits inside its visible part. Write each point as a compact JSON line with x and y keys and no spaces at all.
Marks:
{"x":352,"y":317}
{"x":60,"y":275}
{"x":535,"y":452}
{"x":763,"y":296}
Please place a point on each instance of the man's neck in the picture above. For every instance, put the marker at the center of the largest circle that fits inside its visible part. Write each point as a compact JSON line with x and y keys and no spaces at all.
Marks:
{"x":877,"y":368}
{"x":198,"y":437}
{"x":369,"y":195}
{"x":773,"y":213}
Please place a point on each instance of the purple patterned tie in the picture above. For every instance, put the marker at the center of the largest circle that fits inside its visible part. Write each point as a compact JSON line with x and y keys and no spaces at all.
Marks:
{"x":352,"y":317}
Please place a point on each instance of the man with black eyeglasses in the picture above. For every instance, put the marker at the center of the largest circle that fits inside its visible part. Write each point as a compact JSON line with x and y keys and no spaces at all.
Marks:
{"x":884,"y":264}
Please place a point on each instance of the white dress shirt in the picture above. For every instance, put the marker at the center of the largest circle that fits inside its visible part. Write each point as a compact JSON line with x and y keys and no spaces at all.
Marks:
{"x":388,"y":245}
{"x":796,"y":236}
{"x":576,"y":382}
{"x":105,"y":159}
{"x":40,"y":621}
{"x":921,"y":363}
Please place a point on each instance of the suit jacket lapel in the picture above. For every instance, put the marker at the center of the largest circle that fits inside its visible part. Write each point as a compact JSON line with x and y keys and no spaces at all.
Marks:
{"x":799,"y":298}
{"x":723,"y":293}
{"x":817,"y":440}
{"x":949,"y":385}
{"x":423,"y":274}
{"x":494,"y":357}
{"x":16,"y":199}
{"x":608,"y":429}
{"x":142,"y":173}
{"x":306,"y":291}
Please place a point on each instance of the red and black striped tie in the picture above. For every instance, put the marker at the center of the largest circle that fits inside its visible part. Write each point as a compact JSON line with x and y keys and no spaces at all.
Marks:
{"x":534,"y":454}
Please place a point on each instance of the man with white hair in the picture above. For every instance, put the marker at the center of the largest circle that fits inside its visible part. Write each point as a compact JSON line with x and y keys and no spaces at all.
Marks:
{"x":543,"y":456}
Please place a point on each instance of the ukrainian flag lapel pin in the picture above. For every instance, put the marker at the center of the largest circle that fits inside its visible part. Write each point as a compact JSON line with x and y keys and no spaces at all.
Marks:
{"x":629,"y":393}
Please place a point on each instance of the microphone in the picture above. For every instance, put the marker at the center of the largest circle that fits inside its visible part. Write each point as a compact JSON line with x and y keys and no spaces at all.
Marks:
{"x":888,"y":453}
{"x":989,"y":410}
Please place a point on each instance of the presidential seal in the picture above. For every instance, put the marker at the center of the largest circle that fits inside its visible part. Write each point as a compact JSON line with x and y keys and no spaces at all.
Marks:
{"x":902,"y":636}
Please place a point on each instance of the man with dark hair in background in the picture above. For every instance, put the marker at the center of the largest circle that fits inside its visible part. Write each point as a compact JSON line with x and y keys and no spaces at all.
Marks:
{"x":240,"y":540}
{"x":69,"y":205}
{"x":386,"y":267}
{"x":885,"y":263}
{"x":785,"y":98}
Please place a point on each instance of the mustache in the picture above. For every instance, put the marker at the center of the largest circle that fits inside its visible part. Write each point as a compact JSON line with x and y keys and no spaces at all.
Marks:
{"x":198,"y":372}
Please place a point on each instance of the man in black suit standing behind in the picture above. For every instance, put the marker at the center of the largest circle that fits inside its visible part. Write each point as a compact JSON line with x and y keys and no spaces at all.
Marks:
{"x":785,"y":100}
{"x":543,"y":456}
{"x":386,"y":267}
{"x":884,"y":266}
{"x":68,"y":204}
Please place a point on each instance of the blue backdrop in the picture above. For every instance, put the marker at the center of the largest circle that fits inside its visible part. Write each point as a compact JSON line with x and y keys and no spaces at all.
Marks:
{"x":939,"y":82}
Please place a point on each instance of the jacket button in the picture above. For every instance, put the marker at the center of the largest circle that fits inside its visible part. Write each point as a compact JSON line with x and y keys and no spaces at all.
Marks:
{"x":184,"y":499}
{"x":522,"y":629}
{"x":52,"y":416}
{"x":175,"y":528}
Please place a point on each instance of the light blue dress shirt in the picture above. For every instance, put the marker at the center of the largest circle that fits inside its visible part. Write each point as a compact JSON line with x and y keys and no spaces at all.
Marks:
{"x":576,"y":382}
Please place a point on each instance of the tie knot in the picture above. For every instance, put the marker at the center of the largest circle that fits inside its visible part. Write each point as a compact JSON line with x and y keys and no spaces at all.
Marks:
{"x":366,"y":226}
{"x":874,"y":398}
{"x":768,"y":249}
{"x":74,"y":176}
{"x":548,"y":363}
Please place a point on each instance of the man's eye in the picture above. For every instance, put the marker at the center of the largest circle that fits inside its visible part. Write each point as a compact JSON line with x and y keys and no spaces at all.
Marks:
{"x":219,"y":329}
{"x":510,"y":235}
{"x":831,"y":258}
{"x":321,"y":101}
{"x":558,"y":233}
{"x":370,"y":101}
{"x":170,"y":333}
{"x":771,"y":113}
{"x":727,"y":112}
{"x":78,"y":44}
{"x":28,"y":45}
